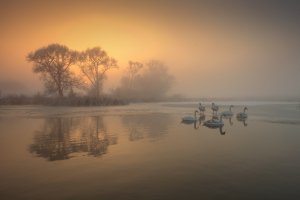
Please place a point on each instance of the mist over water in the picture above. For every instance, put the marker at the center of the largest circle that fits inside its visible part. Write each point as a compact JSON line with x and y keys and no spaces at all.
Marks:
{"x":145,"y":151}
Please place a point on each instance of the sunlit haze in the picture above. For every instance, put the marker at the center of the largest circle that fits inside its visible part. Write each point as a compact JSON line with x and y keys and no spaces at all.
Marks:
{"x":217,"y":49}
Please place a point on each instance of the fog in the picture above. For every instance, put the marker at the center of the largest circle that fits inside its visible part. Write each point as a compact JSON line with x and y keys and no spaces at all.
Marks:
{"x":217,"y":49}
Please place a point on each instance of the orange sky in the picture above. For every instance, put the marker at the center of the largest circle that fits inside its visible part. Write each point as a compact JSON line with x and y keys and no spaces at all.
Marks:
{"x":213,"y":50}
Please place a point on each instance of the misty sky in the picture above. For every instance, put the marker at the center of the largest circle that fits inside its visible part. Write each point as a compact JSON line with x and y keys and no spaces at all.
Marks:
{"x":213,"y":48}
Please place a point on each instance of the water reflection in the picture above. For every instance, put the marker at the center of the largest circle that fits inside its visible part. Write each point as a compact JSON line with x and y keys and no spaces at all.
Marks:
{"x":202,"y":118}
{"x":219,"y":128}
{"x":197,"y":124}
{"x":95,"y":137}
{"x":151,"y":126}
{"x":59,"y":137}
{"x":184,"y":164}
{"x":216,"y":122}
{"x":229,"y":119}
{"x":243,"y":120}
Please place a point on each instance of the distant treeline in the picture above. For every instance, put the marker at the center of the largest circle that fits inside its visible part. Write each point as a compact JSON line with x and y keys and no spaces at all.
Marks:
{"x":58,"y":67}
{"x":104,"y":100}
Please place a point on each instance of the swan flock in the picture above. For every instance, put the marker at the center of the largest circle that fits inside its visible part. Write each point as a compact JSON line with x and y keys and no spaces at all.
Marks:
{"x":216,"y":121}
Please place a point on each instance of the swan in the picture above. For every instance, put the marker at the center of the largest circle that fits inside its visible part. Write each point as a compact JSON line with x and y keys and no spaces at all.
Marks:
{"x":228,"y":113}
{"x":242,"y":115}
{"x":201,"y":118}
{"x":190,"y":119}
{"x":201,"y":108}
{"x":214,"y":123}
{"x":214,"y":107}
{"x":243,"y":120}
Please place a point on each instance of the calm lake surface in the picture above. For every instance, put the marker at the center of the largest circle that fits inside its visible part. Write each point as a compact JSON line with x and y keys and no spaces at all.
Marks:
{"x":143,"y":151}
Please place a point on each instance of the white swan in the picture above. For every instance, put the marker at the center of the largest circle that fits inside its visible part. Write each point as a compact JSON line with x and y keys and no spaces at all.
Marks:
{"x":214,"y":123}
{"x":201,"y":108}
{"x":214,"y":107}
{"x":190,"y":119}
{"x":242,"y":115}
{"x":228,"y":113}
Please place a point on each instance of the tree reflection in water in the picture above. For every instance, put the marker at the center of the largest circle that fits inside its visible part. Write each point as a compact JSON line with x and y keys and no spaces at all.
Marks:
{"x":95,"y":137}
{"x":151,"y":126}
{"x":59,"y":137}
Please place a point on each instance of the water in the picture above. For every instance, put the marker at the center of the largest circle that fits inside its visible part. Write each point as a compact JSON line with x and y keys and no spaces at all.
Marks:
{"x":143,"y":151}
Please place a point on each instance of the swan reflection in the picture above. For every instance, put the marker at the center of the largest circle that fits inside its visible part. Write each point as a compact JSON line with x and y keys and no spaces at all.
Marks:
{"x":229,"y":119}
{"x":220,"y":129}
{"x":215,"y":123}
{"x":243,"y":120}
{"x":202,"y":118}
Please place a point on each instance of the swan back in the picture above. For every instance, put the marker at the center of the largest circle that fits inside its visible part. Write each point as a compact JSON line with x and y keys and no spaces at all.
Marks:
{"x":228,"y":113}
{"x":242,"y":115}
{"x":190,"y":118}
{"x":214,"y":123}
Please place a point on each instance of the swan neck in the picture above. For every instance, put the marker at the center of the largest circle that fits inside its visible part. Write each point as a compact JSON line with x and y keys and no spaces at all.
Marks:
{"x":195,"y":113}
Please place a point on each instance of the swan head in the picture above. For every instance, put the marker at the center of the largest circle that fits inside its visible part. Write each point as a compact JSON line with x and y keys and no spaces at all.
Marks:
{"x":245,"y":109}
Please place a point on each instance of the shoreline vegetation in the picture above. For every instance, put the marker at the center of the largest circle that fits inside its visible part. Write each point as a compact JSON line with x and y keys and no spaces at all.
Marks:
{"x":76,"y":78}
{"x":111,"y":100}
{"x":104,"y":100}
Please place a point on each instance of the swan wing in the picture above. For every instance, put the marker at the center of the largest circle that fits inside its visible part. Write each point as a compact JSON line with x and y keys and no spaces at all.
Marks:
{"x":188,"y":118}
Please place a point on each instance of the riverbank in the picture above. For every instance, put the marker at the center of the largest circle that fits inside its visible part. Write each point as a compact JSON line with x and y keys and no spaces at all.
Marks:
{"x":61,"y":101}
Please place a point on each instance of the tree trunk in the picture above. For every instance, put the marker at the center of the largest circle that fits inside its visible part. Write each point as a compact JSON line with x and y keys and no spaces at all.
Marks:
{"x":97,"y":83}
{"x":60,"y":92}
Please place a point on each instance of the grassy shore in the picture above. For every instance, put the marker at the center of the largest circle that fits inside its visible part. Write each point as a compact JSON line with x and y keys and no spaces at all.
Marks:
{"x":61,"y":101}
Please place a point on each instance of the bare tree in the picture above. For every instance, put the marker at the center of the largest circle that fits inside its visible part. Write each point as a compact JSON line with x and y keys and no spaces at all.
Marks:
{"x":94,"y":63}
{"x":53,"y":63}
{"x":128,"y":86}
{"x":132,"y":70}
{"x":151,"y":83}
{"x":155,"y":81}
